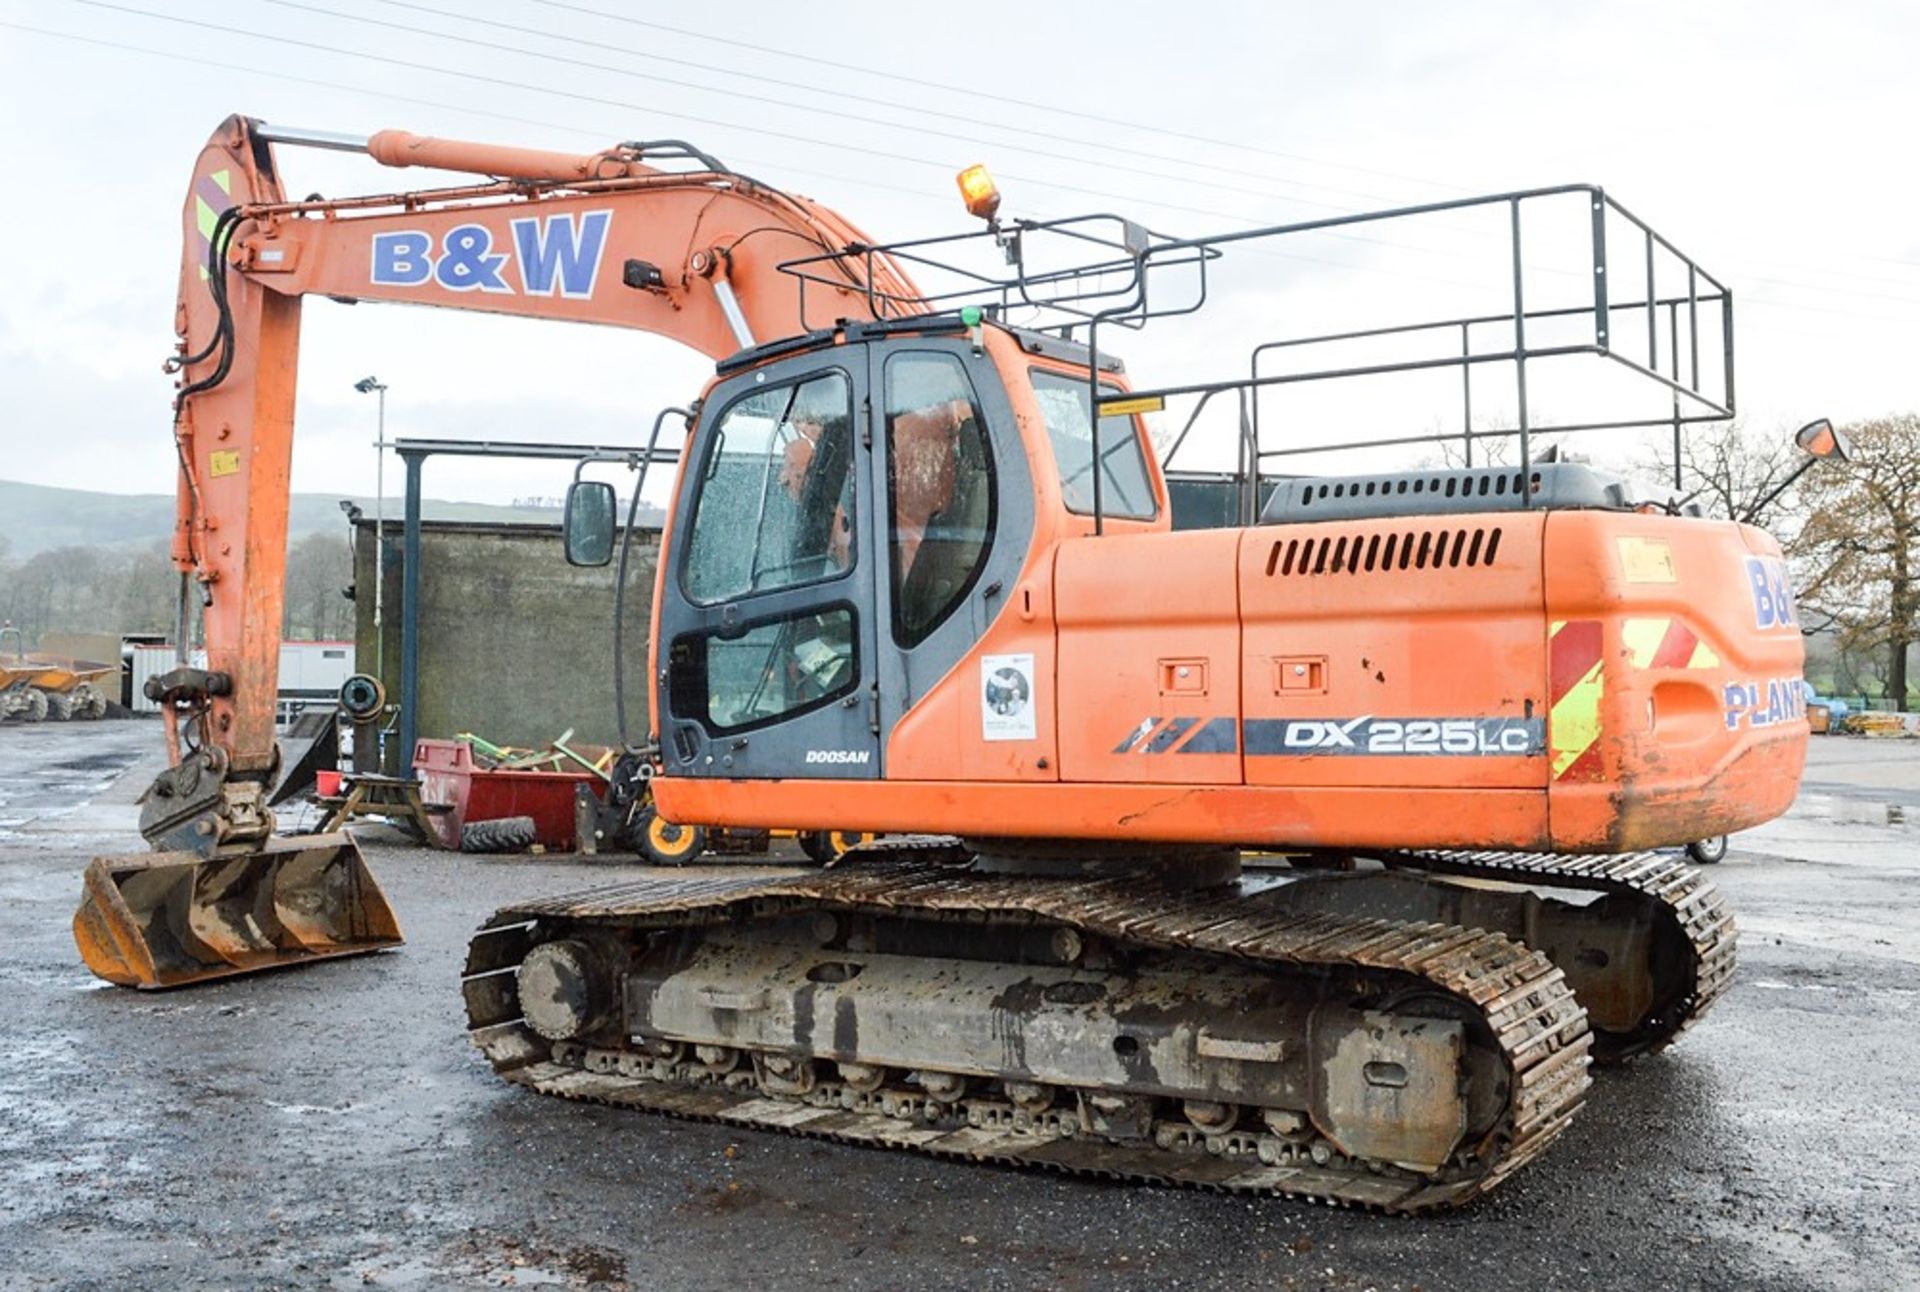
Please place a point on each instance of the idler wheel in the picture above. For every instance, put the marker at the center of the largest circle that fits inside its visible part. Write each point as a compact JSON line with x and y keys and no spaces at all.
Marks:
{"x":565,"y":990}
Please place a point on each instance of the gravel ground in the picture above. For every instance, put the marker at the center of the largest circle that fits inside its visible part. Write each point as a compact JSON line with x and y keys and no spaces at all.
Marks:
{"x":331,"y":1128}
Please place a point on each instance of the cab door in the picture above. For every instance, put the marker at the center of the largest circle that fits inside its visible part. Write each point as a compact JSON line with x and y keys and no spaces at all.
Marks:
{"x":953,"y":518}
{"x":767,"y":600}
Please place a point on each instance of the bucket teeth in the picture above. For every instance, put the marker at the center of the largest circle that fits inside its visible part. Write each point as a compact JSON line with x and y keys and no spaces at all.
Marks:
{"x":170,"y":919}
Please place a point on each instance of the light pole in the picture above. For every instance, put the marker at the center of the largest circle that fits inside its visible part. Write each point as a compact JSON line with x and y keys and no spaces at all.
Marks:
{"x":373,"y":385}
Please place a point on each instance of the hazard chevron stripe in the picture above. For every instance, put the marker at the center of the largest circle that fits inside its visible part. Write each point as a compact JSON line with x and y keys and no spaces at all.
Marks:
{"x":1577,"y":680}
{"x":1665,"y":643}
{"x":1575,"y":684}
{"x":210,"y":197}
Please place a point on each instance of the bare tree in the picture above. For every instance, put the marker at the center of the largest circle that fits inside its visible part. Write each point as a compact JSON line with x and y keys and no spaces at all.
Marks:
{"x":143,"y":587}
{"x":1859,"y":551}
{"x":1732,"y":473}
{"x":1490,"y":451}
{"x":318,"y":568}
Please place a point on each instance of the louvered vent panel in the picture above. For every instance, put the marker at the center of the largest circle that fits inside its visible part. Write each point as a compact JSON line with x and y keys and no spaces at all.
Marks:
{"x":1441,"y":548}
{"x":1438,"y":485}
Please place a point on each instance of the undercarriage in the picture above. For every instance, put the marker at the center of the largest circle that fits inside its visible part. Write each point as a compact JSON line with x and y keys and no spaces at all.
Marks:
{"x":1399,"y":1032}
{"x":1646,"y":942}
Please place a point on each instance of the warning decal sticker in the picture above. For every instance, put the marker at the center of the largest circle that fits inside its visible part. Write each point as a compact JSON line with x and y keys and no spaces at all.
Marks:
{"x":1006,"y":697}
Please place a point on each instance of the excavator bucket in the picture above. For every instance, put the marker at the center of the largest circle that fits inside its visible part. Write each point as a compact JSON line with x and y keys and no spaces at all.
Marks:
{"x":170,"y":919}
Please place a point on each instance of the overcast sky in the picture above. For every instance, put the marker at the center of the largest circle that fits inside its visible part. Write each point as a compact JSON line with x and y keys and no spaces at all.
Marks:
{"x":1771,"y":141}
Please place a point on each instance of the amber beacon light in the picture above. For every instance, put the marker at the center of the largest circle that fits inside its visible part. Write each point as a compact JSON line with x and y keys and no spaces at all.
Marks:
{"x":977,"y":188}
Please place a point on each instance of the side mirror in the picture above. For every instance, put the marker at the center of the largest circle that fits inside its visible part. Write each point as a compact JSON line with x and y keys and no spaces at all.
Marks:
{"x":1822,"y":439}
{"x":589,"y":522}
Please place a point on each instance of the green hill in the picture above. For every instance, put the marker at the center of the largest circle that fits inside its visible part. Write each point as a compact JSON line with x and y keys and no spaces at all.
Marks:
{"x":34,"y":518}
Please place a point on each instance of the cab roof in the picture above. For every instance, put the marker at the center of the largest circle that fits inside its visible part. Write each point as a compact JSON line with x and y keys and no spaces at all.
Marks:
{"x":948,"y":322}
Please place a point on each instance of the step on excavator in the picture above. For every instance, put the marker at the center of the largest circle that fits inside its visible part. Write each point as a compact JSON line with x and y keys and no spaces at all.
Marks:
{"x":918,"y":578}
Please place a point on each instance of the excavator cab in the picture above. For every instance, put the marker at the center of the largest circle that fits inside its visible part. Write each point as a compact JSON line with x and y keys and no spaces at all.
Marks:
{"x":819,"y":570}
{"x":853,"y":516}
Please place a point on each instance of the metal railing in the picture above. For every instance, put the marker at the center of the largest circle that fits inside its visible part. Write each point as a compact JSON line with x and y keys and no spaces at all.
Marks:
{"x":1063,"y":297}
{"x":1114,"y":284}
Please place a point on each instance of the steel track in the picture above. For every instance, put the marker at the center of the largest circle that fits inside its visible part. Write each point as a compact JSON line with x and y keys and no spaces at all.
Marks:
{"x":1522,"y":1000}
{"x":1690,"y":901}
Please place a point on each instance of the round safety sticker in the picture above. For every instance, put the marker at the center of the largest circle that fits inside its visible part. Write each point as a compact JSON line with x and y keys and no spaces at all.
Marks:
{"x":1006,"y":697}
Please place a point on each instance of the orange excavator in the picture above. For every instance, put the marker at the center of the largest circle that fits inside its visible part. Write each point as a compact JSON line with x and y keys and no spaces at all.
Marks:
{"x":918,"y":577}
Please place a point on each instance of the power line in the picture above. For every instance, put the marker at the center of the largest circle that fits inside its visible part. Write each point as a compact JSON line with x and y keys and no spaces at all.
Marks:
{"x":1838,"y":291}
{"x":507,"y":83}
{"x":541,"y":89}
{"x":298,"y":5}
{"x":789,"y":104}
{"x":504,"y":82}
{"x":257,"y":70}
{"x":840,"y":92}
{"x":974,"y":92}
{"x":1879,"y":277}
{"x":919,"y":195}
{"x":1762,"y":302}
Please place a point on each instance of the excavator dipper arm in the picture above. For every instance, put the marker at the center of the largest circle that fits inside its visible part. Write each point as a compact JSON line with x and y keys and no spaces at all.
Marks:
{"x":603,"y":238}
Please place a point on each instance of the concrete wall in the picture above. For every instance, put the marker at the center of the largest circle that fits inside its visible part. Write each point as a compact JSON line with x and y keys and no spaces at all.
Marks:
{"x":515,"y":644}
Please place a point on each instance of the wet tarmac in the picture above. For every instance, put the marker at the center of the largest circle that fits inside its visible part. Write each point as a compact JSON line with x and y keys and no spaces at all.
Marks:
{"x":331,"y":1128}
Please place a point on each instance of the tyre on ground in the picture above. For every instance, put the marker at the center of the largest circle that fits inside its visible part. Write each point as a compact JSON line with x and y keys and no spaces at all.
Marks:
{"x":1708,"y":852}
{"x":666,"y":843}
{"x":828,"y":846}
{"x":845,"y":841}
{"x":502,"y":834}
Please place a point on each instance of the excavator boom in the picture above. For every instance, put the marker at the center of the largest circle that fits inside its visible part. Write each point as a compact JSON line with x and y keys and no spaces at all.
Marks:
{"x":606,"y":238}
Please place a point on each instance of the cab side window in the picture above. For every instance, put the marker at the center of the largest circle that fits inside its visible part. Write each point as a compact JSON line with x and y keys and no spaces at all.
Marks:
{"x":1126,"y":490}
{"x":940,"y":490}
{"x":767,"y":672}
{"x":776,"y":505}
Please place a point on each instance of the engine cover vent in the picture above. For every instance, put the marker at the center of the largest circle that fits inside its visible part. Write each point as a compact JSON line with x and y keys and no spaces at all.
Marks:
{"x":1376,"y":553}
{"x":1550,"y":485}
